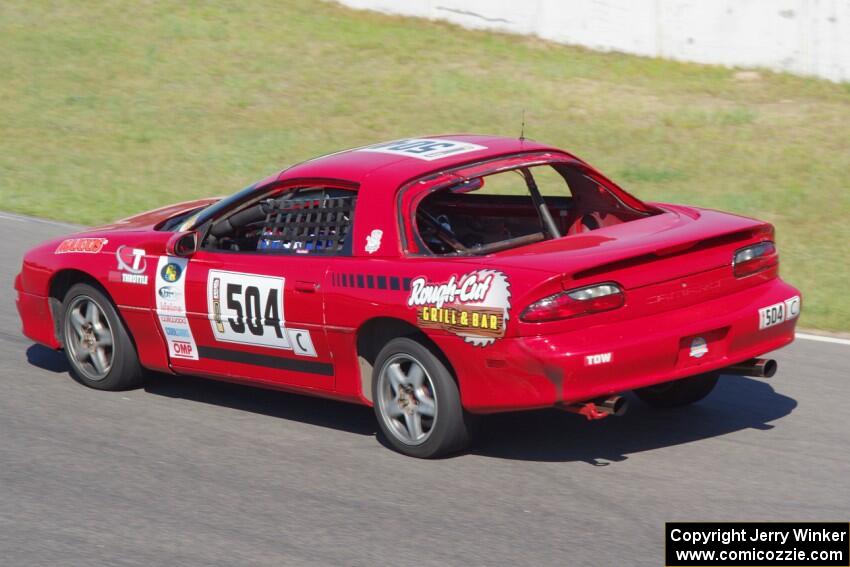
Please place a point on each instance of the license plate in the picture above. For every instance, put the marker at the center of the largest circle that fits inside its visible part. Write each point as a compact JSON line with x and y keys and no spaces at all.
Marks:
{"x":777,"y":313}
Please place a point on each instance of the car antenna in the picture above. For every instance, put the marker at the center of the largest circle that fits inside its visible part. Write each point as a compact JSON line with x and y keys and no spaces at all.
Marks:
{"x":522,"y":127}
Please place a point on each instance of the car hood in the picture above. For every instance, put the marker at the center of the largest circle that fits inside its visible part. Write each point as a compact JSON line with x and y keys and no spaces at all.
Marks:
{"x":149,"y":219}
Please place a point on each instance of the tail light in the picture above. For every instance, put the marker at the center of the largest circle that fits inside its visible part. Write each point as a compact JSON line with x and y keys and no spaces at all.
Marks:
{"x":575,"y":302}
{"x":754,"y":259}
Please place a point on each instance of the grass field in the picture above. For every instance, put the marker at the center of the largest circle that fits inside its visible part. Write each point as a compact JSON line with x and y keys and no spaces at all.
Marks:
{"x":110,"y":108}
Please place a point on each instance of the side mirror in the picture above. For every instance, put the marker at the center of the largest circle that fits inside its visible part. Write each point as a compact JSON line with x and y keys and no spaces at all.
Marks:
{"x":182,"y":244}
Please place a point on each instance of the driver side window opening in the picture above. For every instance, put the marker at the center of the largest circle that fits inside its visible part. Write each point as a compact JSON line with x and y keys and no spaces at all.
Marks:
{"x":304,"y":220}
{"x":516,"y":207}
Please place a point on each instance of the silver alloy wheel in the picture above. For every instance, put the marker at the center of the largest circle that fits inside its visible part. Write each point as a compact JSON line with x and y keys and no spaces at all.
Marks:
{"x":89,"y":338}
{"x":407,"y":399}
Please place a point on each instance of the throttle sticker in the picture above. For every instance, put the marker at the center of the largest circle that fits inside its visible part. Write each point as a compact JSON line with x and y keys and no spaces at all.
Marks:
{"x":171,"y":307}
{"x":474,"y":306}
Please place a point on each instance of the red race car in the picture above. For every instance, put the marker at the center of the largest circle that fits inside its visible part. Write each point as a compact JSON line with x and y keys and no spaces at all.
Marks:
{"x":434,"y":279}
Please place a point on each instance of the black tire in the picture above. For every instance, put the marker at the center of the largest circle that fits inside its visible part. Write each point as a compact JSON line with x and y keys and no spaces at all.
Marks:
{"x":118,"y":368}
{"x":679,"y":392}
{"x":449,"y":430}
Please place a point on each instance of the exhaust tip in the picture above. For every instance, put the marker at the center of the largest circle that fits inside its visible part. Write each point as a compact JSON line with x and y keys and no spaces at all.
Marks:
{"x":767,"y":367}
{"x":758,"y":367}
{"x":615,"y":405}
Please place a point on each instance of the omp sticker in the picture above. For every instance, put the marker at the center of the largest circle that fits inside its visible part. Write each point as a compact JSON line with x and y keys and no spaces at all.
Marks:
{"x":424,"y":149}
{"x":132,"y":264}
{"x":474,"y":306}
{"x":171,"y":307}
{"x":247,"y":309}
{"x":81,"y":246}
{"x":373,"y":240}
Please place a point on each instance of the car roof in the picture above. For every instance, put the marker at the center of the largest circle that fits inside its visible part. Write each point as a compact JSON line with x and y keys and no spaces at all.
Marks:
{"x":402,"y":160}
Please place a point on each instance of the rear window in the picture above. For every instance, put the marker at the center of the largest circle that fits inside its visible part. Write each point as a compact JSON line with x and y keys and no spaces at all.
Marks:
{"x":516,"y":208}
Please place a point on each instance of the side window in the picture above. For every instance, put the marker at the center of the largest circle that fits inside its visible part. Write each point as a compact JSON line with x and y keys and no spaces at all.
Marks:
{"x":305,"y":220}
{"x":309,"y":221}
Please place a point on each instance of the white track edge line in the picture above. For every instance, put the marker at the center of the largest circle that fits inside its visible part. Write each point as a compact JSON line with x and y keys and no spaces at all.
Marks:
{"x":823,"y":339}
{"x":23,"y":218}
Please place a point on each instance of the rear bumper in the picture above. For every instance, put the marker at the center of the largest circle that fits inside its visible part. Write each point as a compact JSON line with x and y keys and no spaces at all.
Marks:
{"x":541,"y":371}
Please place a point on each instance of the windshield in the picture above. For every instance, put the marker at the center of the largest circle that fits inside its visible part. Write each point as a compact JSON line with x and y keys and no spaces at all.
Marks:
{"x":203,"y":215}
{"x":516,"y":208}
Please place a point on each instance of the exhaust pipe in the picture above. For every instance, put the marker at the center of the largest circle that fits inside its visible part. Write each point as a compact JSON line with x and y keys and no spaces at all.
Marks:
{"x":757,"y":367}
{"x":615,"y":405}
{"x":598,"y":409}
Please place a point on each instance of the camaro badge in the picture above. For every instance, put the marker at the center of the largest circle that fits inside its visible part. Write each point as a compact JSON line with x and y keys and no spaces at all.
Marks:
{"x":474,"y":306}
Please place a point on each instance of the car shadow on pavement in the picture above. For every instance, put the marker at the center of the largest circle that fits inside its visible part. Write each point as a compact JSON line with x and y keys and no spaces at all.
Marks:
{"x":737,"y":403}
{"x":47,"y":359}
{"x":306,"y":409}
{"x":315,"y":411}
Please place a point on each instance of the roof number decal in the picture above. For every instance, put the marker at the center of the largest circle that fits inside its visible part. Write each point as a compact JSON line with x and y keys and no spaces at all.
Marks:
{"x":423,"y":148}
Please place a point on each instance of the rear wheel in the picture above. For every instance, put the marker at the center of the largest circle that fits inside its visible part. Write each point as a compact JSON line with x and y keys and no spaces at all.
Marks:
{"x":679,"y":392}
{"x":417,"y":402}
{"x":97,"y":345}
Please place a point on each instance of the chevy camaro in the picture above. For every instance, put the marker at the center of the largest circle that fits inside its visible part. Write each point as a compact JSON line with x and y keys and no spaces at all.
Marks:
{"x":435,"y":279}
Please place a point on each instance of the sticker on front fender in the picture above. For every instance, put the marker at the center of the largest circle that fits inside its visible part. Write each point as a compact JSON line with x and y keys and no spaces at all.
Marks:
{"x":778,"y":313}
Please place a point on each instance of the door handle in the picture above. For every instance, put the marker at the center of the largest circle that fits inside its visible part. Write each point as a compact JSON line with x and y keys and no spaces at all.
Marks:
{"x":306,"y":287}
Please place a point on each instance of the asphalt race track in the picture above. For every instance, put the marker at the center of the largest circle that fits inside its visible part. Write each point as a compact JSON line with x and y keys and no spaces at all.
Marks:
{"x":195,"y":472}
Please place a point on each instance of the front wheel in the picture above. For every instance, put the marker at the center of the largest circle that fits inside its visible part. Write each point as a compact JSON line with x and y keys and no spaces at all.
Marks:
{"x":417,"y":402}
{"x":97,"y":345}
{"x":679,"y":392}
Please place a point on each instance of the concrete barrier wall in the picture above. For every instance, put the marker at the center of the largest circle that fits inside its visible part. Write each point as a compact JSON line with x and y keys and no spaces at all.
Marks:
{"x":806,"y":37}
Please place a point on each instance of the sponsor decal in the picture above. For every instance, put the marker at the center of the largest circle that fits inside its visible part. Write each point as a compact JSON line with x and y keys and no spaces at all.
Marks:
{"x":699,"y":347}
{"x":171,"y":307}
{"x":172,"y":271}
{"x":601,"y":358}
{"x":132,"y":265}
{"x":181,"y":349}
{"x":248,"y":309}
{"x":301,"y":342}
{"x":474,"y":306}
{"x":81,"y":246}
{"x":423,"y":148}
{"x":216,"y":303}
{"x":373,"y":241}
{"x":168,"y":292}
{"x":176,"y":331}
{"x":777,"y":313}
